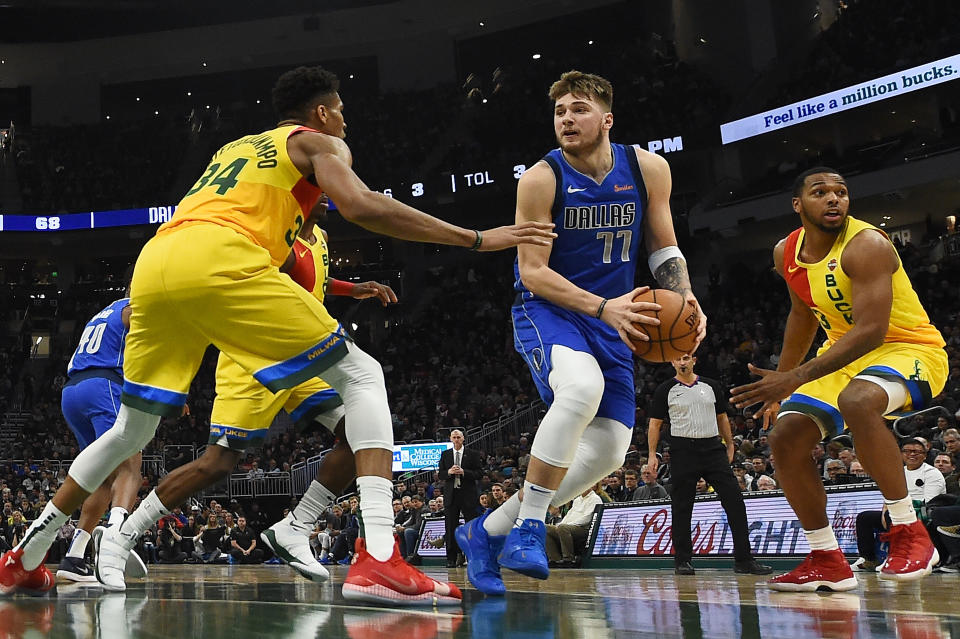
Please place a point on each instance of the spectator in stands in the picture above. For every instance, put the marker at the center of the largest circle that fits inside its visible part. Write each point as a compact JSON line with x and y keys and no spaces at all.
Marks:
{"x":651,"y":489}
{"x":16,"y":529}
{"x":924,"y":482}
{"x":568,"y":539}
{"x":857,"y":470}
{"x":936,"y":435}
{"x":187,"y":533}
{"x":766,"y":482}
{"x":344,"y":542}
{"x":944,"y":463}
{"x":847,"y":456}
{"x":330,"y":528}
{"x":760,"y":468}
{"x":243,"y":542}
{"x":228,"y":527}
{"x":631,"y":482}
{"x":207,"y":540}
{"x":951,"y":443}
{"x":835,"y":473}
{"x":399,"y":513}
{"x":409,"y":529}
{"x":614,"y":488}
{"x":496,"y":490}
{"x":703,"y":488}
{"x":147,"y":546}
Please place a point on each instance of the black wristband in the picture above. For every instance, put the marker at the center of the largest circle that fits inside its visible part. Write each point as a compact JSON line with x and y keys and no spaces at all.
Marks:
{"x":477,"y":242}
{"x":600,"y":309}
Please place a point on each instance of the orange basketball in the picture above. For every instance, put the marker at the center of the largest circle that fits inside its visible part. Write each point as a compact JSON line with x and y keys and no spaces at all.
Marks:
{"x":677,"y":332}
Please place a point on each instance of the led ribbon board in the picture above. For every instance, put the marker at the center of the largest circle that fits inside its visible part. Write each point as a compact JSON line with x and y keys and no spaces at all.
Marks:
{"x":921,"y":77}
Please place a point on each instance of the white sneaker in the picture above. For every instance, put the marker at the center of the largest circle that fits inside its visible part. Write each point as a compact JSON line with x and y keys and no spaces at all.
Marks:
{"x":113,"y":551}
{"x":134,"y":569}
{"x":290,"y":540}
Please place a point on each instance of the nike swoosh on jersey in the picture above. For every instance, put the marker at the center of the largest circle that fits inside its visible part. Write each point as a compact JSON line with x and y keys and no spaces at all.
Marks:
{"x":570,"y":189}
{"x":299,"y":254}
{"x":792,"y":268}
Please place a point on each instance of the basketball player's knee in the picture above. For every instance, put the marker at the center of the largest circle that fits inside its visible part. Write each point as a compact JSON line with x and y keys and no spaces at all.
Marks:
{"x":216,"y":463}
{"x":861,"y":399}
{"x":366,"y":370}
{"x":132,"y":431}
{"x":793,"y":438}
{"x":580,"y":394}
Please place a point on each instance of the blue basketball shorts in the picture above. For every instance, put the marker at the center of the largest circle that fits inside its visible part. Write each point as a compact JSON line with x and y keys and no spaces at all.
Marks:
{"x":90,"y":407}
{"x":538,"y":326}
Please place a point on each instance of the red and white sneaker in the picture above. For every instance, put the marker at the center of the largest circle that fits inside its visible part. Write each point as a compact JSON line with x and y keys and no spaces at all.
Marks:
{"x":14,"y":577}
{"x":912,"y":555}
{"x":820,"y":570}
{"x":394,"y":582}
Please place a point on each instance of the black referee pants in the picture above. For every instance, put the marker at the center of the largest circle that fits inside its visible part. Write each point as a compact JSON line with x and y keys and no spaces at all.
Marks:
{"x":691,"y":459}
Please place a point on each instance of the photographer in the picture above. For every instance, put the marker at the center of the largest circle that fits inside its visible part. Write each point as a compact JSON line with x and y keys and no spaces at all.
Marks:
{"x":170,"y":540}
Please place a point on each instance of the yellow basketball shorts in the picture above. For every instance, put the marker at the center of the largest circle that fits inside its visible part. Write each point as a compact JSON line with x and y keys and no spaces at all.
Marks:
{"x":923,"y":369}
{"x":244,"y":409}
{"x":207,"y":284}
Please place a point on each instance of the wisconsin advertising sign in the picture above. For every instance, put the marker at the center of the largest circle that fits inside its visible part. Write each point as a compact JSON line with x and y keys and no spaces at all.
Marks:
{"x":417,"y":456}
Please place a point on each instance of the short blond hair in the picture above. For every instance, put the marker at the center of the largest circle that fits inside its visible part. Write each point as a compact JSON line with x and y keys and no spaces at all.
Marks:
{"x":583,"y":85}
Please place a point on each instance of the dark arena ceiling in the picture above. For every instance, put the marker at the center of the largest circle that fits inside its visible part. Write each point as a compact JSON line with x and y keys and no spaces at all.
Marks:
{"x":68,"y":20}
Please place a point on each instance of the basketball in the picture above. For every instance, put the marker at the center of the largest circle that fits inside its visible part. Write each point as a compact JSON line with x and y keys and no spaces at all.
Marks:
{"x":677,"y":332}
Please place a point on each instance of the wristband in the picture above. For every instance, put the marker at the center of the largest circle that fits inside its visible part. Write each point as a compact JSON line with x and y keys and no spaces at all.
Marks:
{"x":658,"y":257}
{"x":339,"y":287}
{"x":477,"y":242}
{"x":600,"y":309}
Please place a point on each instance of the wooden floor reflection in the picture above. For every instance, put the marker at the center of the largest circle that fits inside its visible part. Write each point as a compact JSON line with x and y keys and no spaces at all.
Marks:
{"x":271,"y":601}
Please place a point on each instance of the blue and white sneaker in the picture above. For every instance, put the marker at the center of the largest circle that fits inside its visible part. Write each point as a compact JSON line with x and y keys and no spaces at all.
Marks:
{"x":481,"y":550}
{"x":524,"y":550}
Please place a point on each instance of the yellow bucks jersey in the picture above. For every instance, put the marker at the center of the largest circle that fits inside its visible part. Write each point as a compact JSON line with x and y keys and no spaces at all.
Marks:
{"x":252,"y":187}
{"x":311,"y":264}
{"x":827,"y":291}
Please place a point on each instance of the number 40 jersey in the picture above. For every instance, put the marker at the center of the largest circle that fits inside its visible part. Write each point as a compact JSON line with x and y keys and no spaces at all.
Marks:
{"x":101,"y":344}
{"x":598,"y":225}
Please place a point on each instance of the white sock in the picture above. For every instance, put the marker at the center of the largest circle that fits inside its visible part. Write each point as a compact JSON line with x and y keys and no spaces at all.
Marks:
{"x":536,"y":500}
{"x":822,"y":539}
{"x":40,"y":535}
{"x":79,"y":544}
{"x":500,"y":521}
{"x":376,"y":498}
{"x":313,"y":503}
{"x":117,"y":515}
{"x":150,"y":510}
{"x":901,"y":511}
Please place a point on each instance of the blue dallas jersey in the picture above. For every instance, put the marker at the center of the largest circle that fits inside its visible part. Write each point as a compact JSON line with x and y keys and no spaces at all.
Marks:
{"x":599,"y":226}
{"x":101,"y":345}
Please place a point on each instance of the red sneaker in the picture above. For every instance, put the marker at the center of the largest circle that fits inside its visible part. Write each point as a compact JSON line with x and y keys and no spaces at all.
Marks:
{"x":912,"y":555}
{"x":820,"y":570}
{"x":13,"y":576}
{"x":394,"y":582}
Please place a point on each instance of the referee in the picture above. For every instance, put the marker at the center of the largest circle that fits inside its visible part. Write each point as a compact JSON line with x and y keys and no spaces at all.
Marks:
{"x":697,"y":409}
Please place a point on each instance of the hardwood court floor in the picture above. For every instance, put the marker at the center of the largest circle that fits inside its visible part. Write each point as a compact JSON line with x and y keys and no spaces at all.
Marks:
{"x":213,"y":602}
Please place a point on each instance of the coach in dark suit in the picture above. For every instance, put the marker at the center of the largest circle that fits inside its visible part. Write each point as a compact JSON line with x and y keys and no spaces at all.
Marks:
{"x":460,"y":468}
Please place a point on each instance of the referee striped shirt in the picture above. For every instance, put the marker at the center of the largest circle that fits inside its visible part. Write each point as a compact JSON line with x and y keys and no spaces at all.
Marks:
{"x":692,"y":410}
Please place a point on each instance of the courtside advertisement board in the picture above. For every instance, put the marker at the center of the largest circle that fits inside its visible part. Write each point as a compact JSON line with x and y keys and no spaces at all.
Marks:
{"x":633,"y":530}
{"x":418,"y":456}
{"x":432,"y":530}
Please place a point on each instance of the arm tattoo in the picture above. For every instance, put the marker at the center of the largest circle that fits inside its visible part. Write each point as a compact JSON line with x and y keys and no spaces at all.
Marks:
{"x":673,"y":275}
